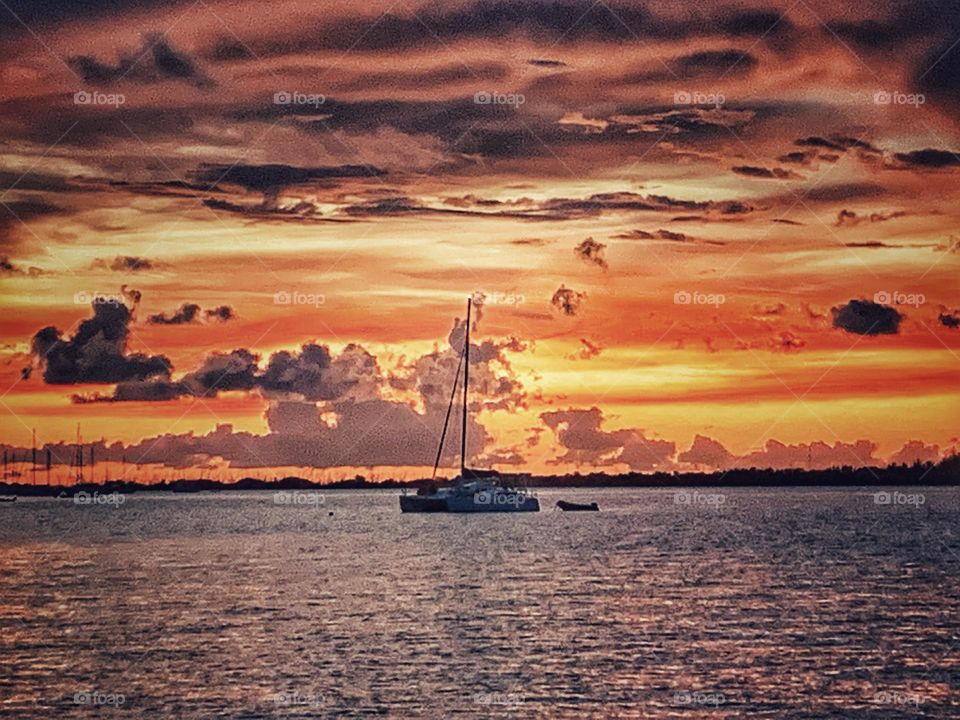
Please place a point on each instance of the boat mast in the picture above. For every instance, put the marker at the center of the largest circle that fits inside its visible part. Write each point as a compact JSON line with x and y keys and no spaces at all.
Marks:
{"x":466,"y":388}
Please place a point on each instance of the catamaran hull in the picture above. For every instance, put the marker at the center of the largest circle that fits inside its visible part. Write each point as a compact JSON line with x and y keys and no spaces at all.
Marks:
{"x":428,"y":504}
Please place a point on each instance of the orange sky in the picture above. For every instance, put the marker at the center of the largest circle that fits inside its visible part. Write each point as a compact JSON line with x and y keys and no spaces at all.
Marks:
{"x":769,"y":193}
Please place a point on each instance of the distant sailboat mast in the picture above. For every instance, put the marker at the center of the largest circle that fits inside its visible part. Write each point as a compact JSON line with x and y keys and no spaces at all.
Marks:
{"x":466,"y":390}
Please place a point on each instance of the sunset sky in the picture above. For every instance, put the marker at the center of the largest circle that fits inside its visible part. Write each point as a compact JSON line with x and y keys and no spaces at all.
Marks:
{"x":239,"y":238}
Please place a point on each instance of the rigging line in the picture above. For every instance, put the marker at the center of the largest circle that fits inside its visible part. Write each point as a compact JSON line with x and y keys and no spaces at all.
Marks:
{"x":446,"y":420}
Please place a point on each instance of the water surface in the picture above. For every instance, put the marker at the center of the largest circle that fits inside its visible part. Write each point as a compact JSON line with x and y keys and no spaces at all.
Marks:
{"x":761,"y":603}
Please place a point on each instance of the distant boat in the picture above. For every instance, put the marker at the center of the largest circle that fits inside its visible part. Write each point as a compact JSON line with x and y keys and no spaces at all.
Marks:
{"x":473,"y":491}
{"x":577,"y":507}
{"x":8,"y":498}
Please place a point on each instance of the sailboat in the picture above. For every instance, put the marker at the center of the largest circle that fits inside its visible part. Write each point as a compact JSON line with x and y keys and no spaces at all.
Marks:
{"x":472,"y":491}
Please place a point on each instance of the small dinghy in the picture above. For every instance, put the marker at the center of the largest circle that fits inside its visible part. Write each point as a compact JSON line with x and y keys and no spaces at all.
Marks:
{"x":577,"y":507}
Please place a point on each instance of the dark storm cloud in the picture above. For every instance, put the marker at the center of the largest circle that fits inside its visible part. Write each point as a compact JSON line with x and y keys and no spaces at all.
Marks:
{"x":798,"y":158}
{"x":154,"y":61}
{"x":57,"y":119}
{"x":13,"y":212}
{"x":949,"y":319}
{"x":865,"y":317}
{"x":630,"y":201}
{"x":563,"y":22}
{"x":767,"y":173}
{"x":189,"y":313}
{"x":898,"y":28}
{"x":929,"y":159}
{"x":938,"y":75}
{"x":20,"y":17}
{"x":97,"y":352}
{"x":39,"y":181}
{"x":221,"y":313}
{"x":819,"y":142}
{"x":276,"y":176}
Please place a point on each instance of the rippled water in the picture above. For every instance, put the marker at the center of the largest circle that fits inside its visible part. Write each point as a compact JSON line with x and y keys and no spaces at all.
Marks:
{"x":762,"y":603}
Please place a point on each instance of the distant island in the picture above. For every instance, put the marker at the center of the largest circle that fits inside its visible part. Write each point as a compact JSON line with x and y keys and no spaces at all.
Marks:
{"x":945,"y":472}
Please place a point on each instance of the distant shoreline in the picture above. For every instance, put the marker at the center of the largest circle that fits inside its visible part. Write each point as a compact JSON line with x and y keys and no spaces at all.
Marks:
{"x":944,"y":473}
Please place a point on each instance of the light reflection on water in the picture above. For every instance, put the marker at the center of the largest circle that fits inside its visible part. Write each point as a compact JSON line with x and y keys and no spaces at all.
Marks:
{"x":775,"y":603}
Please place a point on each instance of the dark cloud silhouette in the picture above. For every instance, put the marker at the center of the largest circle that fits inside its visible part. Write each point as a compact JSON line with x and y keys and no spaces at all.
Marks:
{"x":937,"y":75}
{"x":949,"y":319}
{"x":265,"y":178}
{"x":850,"y":218}
{"x":928,"y":159}
{"x":221,"y":313}
{"x":155,"y":61}
{"x":768,"y":173}
{"x":125,"y":263}
{"x":592,"y":251}
{"x":97,"y":352}
{"x":567,"y":301}
{"x":542,"y":62}
{"x":865,"y":317}
{"x":554,"y":23}
{"x":189,"y":313}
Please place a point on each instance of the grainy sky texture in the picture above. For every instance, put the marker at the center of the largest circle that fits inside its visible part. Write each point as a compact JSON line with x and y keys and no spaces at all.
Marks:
{"x":238,"y":236}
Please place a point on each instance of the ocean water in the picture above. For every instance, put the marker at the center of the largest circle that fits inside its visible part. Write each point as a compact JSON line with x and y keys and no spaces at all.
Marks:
{"x":714,"y":603}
